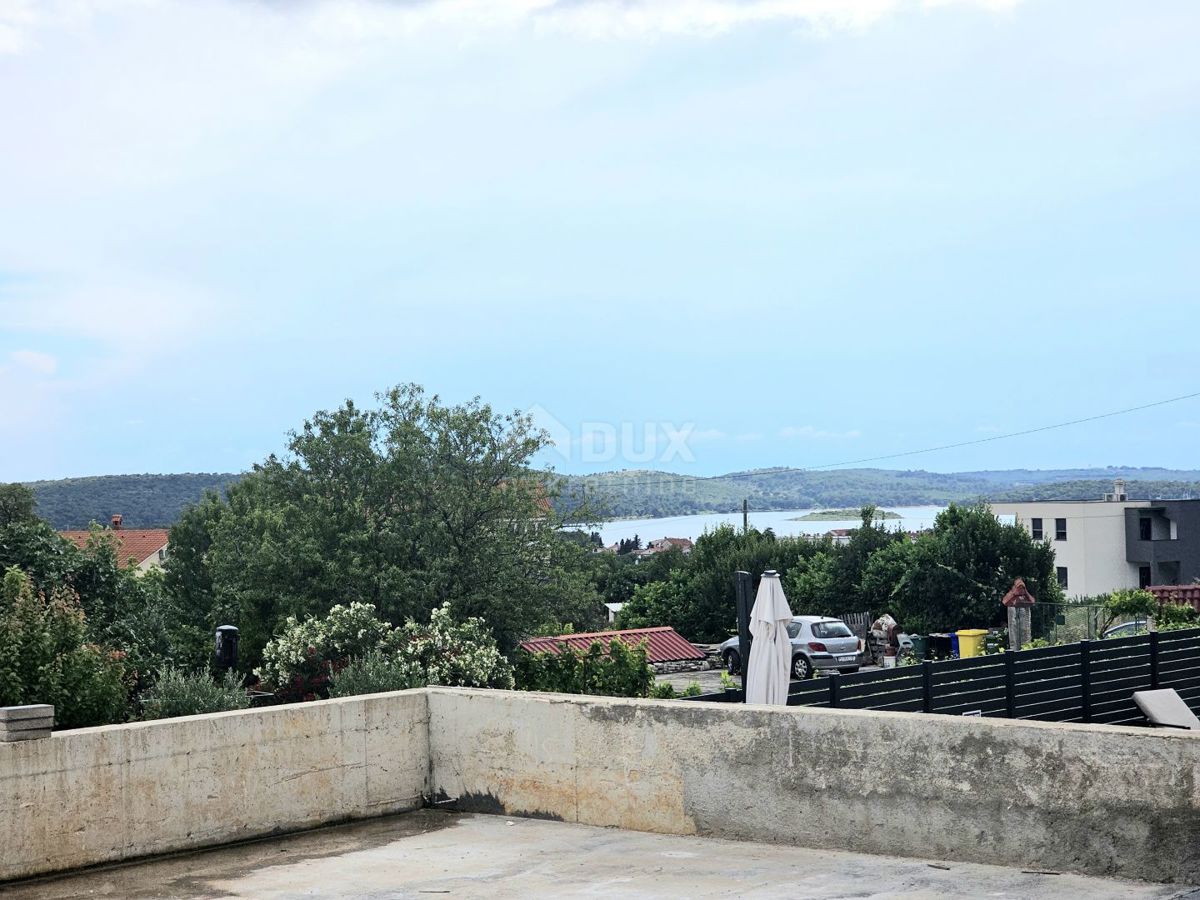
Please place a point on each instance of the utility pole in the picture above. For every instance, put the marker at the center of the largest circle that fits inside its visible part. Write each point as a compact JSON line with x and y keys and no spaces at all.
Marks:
{"x":745,"y":515}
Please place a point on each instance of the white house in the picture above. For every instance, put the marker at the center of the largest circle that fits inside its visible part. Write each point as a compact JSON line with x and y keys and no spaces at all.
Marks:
{"x":1114,"y":543}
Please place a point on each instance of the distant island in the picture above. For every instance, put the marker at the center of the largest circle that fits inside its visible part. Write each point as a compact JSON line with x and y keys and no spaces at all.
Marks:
{"x":843,"y":515}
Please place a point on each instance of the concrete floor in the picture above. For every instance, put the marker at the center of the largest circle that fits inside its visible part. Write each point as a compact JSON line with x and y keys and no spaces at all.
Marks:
{"x":429,"y":853}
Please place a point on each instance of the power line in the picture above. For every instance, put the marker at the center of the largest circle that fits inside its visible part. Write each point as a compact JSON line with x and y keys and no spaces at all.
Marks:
{"x":905,"y":453}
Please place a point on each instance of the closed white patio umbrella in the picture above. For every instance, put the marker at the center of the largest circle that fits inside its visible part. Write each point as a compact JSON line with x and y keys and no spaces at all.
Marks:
{"x":767,"y":674}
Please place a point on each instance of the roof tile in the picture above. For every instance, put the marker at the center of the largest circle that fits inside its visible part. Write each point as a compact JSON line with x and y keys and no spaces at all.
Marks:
{"x":663,"y":644}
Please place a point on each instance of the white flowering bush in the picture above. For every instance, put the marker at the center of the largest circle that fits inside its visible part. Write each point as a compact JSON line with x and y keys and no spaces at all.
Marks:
{"x":307,"y":656}
{"x":450,"y":653}
{"x":299,"y":662}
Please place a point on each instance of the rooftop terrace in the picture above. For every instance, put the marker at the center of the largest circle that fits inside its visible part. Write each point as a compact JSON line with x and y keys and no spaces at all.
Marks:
{"x":663,"y":780}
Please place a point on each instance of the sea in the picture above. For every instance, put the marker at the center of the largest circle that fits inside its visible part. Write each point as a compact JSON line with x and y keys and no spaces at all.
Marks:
{"x":782,"y":522}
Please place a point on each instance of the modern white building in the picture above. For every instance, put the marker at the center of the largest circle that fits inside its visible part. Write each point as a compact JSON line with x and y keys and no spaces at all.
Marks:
{"x":1114,"y":543}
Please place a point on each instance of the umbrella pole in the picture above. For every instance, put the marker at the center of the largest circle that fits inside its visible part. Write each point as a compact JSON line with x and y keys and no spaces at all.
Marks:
{"x":743,"y":584}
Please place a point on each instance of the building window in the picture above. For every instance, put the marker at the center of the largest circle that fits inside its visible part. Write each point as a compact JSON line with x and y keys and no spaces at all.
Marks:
{"x":1143,"y":576}
{"x":1060,"y":529}
{"x":1144,"y":529}
{"x":1062,"y":577}
{"x":1035,"y":525}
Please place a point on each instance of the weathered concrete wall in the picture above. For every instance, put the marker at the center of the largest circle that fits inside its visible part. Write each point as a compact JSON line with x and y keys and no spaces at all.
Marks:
{"x":102,"y":794}
{"x":1093,"y":799}
{"x":1099,"y":800}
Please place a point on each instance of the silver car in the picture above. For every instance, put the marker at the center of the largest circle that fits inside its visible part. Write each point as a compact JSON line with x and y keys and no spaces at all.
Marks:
{"x":818,"y":642}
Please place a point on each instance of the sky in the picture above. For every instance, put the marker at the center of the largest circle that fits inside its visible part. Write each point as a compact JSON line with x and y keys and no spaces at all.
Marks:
{"x":692,"y":235}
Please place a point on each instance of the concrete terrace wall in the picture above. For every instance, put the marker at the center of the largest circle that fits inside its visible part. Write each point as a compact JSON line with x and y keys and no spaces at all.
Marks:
{"x":1093,"y":799}
{"x":1099,"y":800}
{"x":103,"y":794}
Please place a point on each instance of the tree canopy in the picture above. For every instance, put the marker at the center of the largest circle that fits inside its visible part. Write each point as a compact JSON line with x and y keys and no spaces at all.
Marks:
{"x":406,"y":506}
{"x":951,"y":577}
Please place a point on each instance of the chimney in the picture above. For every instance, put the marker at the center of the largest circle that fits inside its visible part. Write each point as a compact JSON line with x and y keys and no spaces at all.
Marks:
{"x":116,"y":521}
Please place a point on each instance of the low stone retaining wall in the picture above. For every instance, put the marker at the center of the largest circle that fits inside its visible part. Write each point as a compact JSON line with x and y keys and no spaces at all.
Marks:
{"x":686,"y":665}
{"x":1099,"y":800}
{"x":98,"y":795}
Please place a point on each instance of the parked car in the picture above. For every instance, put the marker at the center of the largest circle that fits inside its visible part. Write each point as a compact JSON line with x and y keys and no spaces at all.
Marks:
{"x":1126,"y":629}
{"x":818,"y":642}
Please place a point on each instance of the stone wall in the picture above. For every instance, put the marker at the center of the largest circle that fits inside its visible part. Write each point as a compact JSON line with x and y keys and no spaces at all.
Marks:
{"x":103,"y":794}
{"x":1100,"y":800}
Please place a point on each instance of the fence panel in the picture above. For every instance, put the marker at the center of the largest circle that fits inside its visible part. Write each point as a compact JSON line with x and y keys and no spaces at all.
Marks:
{"x":1088,"y":681}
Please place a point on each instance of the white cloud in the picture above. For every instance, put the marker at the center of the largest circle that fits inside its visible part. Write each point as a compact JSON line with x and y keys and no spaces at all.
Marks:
{"x":21,"y":21}
{"x":118,"y":313}
{"x":34,"y":361}
{"x":813,"y":433}
{"x":30,"y":394}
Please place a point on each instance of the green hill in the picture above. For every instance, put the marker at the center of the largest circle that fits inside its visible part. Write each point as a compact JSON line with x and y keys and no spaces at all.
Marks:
{"x":144,"y":501}
{"x":648,"y":493}
{"x":156,"y":500}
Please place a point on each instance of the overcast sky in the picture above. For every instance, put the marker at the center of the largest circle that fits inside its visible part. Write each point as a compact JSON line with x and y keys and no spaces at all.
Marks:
{"x":767,"y":232}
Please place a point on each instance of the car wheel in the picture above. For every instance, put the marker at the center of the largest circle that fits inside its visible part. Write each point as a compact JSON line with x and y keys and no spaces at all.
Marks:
{"x":801,"y":668}
{"x":733,"y":662}
{"x":849,"y":670}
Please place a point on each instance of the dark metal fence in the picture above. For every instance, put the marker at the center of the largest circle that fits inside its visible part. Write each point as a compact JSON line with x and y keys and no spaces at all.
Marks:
{"x":1091,"y":681}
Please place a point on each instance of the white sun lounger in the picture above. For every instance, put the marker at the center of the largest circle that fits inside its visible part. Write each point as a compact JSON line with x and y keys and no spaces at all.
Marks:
{"x":1166,"y":709}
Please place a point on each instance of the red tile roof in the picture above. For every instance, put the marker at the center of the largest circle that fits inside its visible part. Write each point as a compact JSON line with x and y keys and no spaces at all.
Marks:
{"x":663,"y":644}
{"x":134,"y":545}
{"x":661,"y":544}
{"x":1187,"y":594}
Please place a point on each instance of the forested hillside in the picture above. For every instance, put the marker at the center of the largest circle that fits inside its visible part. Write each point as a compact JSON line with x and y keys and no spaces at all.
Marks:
{"x":153,"y":500}
{"x":647,"y":493}
{"x":144,"y":501}
{"x":1094,"y":490}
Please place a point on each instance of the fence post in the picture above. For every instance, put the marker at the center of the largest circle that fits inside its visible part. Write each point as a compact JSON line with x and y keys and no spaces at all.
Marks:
{"x":1154,"y":660}
{"x":1010,"y":684}
{"x":833,"y":690}
{"x":1085,"y":674}
{"x":927,"y":685}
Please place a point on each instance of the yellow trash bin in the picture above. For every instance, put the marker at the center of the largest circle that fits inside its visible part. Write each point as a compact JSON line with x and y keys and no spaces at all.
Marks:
{"x":970,"y":641}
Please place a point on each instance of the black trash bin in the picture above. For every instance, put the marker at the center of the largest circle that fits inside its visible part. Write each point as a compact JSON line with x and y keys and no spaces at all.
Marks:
{"x":940,"y":646}
{"x":226,"y":649}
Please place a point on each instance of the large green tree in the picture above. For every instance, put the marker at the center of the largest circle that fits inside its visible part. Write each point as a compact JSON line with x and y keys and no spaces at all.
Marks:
{"x":697,"y":598}
{"x":406,"y":505}
{"x":956,"y":575}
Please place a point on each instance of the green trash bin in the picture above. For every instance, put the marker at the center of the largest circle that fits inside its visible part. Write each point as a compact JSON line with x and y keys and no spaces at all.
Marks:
{"x":920,"y":646}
